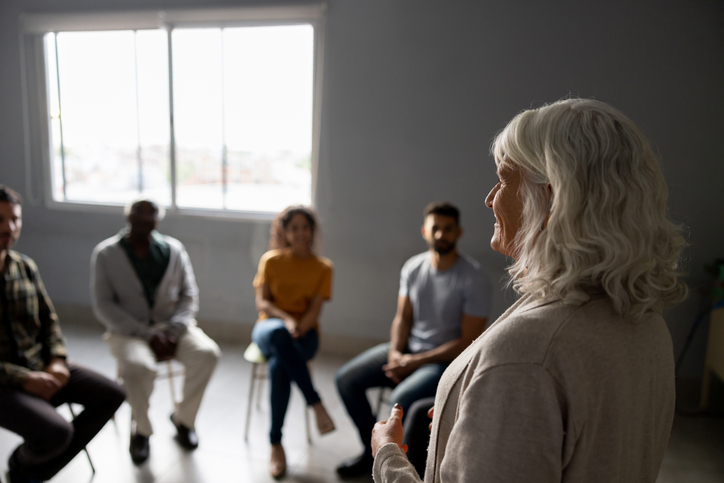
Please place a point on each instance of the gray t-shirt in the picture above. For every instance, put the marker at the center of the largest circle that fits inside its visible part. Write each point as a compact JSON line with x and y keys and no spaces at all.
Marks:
{"x":440,"y":298}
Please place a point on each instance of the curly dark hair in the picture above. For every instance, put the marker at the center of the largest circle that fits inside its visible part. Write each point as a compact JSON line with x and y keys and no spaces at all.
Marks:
{"x":281,"y":222}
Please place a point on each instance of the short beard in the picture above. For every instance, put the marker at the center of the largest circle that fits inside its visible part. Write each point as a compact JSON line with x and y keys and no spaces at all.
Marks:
{"x":444,"y":250}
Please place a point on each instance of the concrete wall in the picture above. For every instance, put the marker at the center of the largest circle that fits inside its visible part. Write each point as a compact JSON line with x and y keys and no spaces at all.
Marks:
{"x":414,"y":91}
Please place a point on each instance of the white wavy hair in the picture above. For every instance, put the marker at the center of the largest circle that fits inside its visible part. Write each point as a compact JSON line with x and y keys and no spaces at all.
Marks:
{"x":607,"y":224}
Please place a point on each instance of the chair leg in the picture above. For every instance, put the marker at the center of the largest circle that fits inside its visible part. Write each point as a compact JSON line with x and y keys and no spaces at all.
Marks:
{"x":90,"y":461}
{"x":172,"y":385}
{"x":306,"y":423}
{"x":260,"y":386}
{"x":251,"y":399}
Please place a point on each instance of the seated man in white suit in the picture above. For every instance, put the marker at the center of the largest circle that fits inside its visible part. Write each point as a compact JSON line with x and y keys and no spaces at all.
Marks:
{"x":144,"y":292}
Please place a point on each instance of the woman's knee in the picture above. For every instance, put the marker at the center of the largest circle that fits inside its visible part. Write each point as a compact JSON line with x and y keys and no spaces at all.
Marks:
{"x":280,"y":337}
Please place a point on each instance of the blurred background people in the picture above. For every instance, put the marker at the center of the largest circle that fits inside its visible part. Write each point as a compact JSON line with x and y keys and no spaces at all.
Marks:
{"x":35,"y":374}
{"x":442,"y":306}
{"x":291,"y":285}
{"x":144,"y":292}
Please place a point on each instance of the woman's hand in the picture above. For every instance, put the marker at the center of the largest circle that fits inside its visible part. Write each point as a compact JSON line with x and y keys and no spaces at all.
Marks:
{"x":292,"y":326}
{"x":305,"y":324}
{"x":389,"y":431}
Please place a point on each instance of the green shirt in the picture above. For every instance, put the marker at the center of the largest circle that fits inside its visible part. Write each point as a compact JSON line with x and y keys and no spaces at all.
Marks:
{"x":151,"y":269}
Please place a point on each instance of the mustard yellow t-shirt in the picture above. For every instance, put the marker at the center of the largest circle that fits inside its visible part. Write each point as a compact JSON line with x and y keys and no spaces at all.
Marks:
{"x":293,"y":282}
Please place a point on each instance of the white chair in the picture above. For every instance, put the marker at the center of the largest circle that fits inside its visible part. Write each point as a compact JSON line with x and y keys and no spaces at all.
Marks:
{"x":258,"y":373}
{"x":171,"y":374}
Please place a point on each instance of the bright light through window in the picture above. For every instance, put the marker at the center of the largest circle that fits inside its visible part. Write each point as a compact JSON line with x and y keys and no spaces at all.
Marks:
{"x":242,"y":116}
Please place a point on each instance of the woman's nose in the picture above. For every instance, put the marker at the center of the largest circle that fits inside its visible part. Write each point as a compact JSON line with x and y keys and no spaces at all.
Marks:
{"x":491,"y":195}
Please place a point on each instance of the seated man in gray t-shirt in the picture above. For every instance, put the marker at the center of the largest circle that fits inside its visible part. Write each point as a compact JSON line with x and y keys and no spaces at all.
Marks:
{"x":442,"y":307}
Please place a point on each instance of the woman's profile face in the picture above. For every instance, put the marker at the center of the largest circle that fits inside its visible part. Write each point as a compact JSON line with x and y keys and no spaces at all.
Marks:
{"x":299,"y":233}
{"x":508,"y":210}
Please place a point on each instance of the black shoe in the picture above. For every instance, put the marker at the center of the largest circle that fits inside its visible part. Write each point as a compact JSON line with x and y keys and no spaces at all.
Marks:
{"x":361,"y":465}
{"x":186,"y":437}
{"x":14,"y":475}
{"x":140,"y":448}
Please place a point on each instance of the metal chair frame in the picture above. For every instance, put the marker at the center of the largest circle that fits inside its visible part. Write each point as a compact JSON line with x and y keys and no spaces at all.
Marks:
{"x":85,"y":448}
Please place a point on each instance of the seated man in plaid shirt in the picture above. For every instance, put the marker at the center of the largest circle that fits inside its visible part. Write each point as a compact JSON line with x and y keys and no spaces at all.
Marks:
{"x":35,"y":376}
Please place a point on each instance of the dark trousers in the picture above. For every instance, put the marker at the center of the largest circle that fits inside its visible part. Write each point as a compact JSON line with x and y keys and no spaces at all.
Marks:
{"x":365,"y":372}
{"x":416,"y":433}
{"x":50,"y":442}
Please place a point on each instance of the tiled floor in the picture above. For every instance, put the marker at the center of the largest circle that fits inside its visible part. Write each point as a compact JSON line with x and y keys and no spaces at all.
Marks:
{"x":695,"y":454}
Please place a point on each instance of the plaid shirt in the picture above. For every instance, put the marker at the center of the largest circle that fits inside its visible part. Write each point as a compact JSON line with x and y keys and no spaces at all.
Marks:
{"x":29,"y":334}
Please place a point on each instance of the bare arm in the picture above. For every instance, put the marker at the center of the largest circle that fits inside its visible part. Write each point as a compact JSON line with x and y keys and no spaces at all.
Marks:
{"x":471,"y":327}
{"x":310,"y":317}
{"x":401,"y":327}
{"x":265,"y":303}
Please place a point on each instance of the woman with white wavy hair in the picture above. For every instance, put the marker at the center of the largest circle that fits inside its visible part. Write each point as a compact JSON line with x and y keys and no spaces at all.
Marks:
{"x":575,"y":382}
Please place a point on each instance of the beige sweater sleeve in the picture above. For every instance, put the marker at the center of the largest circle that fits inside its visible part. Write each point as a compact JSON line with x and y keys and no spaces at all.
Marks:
{"x":509,"y":428}
{"x":391,"y":465}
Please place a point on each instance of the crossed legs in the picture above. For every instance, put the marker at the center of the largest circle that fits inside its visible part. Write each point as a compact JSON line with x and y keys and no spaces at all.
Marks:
{"x":287,"y":362}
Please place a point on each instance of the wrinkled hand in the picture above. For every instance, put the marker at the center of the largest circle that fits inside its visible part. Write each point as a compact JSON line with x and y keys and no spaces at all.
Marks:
{"x":59,"y":370}
{"x":163,"y":345}
{"x":400,"y":367}
{"x":42,"y":384}
{"x":389,"y":431}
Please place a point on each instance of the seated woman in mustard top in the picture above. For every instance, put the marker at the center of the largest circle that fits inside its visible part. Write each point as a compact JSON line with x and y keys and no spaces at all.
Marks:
{"x":291,"y":285}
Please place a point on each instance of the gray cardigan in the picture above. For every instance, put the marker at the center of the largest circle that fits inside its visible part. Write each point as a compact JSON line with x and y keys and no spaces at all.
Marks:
{"x":550,"y":393}
{"x":117,"y":294}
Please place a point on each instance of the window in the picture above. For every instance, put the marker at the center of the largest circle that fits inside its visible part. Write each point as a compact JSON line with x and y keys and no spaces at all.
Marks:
{"x":197,"y":114}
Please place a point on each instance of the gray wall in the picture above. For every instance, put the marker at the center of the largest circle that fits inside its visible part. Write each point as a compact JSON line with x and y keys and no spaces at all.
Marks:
{"x":414,"y":90}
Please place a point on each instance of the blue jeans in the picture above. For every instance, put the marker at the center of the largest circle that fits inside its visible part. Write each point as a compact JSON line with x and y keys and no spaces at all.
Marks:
{"x":287,"y":361}
{"x":365,"y":371}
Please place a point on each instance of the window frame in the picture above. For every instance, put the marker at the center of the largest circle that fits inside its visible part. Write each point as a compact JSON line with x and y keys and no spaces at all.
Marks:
{"x":37,"y":127}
